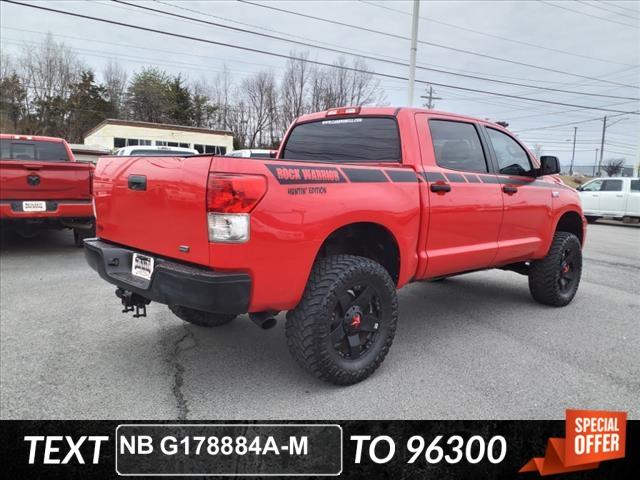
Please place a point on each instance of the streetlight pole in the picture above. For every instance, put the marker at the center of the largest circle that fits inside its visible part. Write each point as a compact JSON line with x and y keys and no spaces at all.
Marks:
{"x":414,"y":50}
{"x":573,"y":155}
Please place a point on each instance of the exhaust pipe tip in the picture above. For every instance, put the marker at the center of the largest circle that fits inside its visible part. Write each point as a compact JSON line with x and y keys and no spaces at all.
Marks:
{"x":269,"y":323}
{"x":264,"y":320}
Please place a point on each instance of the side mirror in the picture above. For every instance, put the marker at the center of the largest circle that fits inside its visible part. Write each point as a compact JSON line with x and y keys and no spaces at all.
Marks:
{"x":549,"y":165}
{"x":273,"y":153}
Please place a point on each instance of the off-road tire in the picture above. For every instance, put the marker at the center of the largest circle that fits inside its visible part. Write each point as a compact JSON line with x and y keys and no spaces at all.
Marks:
{"x":200,"y":318}
{"x":544,"y":275}
{"x":308,"y":325}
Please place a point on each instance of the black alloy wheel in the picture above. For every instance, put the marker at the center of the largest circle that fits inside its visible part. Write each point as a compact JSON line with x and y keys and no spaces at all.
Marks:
{"x":356,"y":321}
{"x":345,"y":322}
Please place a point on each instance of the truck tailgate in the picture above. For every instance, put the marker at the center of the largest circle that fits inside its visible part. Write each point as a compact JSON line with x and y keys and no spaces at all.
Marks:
{"x":155,"y":204}
{"x":33,"y":180}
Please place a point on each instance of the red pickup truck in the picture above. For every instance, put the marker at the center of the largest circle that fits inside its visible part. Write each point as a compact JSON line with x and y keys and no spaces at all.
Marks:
{"x":42,"y":186}
{"x":357,"y":203}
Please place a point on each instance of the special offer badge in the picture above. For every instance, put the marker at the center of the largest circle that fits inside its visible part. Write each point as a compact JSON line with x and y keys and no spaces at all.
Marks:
{"x":593,"y":436}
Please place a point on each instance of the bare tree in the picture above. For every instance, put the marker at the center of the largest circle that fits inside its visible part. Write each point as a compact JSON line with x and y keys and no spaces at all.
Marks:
{"x":365,"y":88}
{"x":293,"y":88}
{"x":222,"y":92}
{"x":49,"y":71}
{"x":318,"y":90}
{"x":260,"y":91}
{"x":537,"y":150}
{"x":238,"y":122}
{"x":613,"y":166}
{"x":115,"y":82}
{"x":346,"y":84}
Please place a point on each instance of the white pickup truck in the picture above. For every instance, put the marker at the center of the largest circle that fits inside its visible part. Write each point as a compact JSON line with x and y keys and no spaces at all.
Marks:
{"x":616,"y":197}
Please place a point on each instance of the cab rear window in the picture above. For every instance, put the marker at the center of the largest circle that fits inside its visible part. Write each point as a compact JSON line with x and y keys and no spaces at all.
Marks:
{"x":41,"y":151}
{"x":360,"y":139}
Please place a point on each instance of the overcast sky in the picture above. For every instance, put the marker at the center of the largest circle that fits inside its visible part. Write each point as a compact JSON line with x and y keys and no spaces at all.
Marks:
{"x":588,"y":38}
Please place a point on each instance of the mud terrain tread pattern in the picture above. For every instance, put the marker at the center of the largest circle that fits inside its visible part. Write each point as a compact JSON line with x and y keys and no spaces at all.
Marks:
{"x":543,"y":275}
{"x":202,"y":319}
{"x":305,"y":326}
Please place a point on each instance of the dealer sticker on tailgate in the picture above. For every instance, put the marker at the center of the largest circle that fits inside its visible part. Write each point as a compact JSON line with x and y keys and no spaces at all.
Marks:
{"x":142,"y":266}
{"x":34,"y":206}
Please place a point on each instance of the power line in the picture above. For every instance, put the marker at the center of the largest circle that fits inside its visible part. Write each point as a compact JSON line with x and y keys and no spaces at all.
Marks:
{"x":369,"y":57}
{"x":288,"y":34}
{"x":199,"y":12}
{"x":432,"y":44}
{"x":184,"y":8}
{"x":316,"y":62}
{"x":507,"y":39}
{"x":625,"y":15}
{"x":588,"y":14}
{"x":611,"y":4}
{"x":560,"y":112}
{"x":569,"y":123}
{"x":117,"y":55}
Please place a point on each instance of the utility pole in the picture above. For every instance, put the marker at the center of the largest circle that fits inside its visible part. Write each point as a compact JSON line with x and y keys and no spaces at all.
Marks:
{"x":430,"y":98}
{"x":595,"y":163}
{"x":414,"y":50}
{"x":604,"y":128}
{"x":573,"y":155}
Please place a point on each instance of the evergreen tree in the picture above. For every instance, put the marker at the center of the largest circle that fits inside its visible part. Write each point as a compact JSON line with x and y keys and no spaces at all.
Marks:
{"x":87,"y":106}
{"x":180,"y":102}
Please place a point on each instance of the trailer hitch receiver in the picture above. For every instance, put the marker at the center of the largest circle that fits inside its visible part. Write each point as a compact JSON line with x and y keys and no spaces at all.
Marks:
{"x":133,"y":302}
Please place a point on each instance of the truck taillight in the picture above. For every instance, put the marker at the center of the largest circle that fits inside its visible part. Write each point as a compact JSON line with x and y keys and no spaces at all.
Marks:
{"x":230,"y":198}
{"x":231,"y":193}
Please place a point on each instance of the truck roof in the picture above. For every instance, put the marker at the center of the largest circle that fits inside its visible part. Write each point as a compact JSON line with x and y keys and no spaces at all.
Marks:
{"x":392,"y":111}
{"x":33,"y":138}
{"x":614,"y":178}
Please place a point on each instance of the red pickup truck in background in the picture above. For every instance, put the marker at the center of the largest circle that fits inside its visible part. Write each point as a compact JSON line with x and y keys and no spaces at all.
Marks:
{"x":43,"y":186}
{"x":358,"y":203}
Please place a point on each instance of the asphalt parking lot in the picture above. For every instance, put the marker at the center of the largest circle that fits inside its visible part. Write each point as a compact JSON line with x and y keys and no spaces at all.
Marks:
{"x":474,"y":346}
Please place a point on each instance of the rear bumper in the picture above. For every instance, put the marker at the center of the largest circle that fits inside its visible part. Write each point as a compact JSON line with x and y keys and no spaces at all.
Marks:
{"x":12,"y":209}
{"x":172,"y":283}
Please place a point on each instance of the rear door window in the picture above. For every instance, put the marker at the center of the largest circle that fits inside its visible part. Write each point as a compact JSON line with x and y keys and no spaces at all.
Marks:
{"x":611,"y":186}
{"x":360,"y":139}
{"x":635,"y":185}
{"x":35,"y":151}
{"x":457,"y":146}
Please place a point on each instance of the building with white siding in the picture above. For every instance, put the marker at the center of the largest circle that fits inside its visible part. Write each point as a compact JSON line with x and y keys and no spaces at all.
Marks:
{"x":113,"y":134}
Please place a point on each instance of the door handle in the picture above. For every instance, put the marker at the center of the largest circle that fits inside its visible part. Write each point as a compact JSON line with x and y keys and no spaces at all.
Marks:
{"x":440,"y":187}
{"x":509,"y":190}
{"x":137,"y":182}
